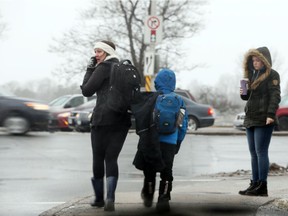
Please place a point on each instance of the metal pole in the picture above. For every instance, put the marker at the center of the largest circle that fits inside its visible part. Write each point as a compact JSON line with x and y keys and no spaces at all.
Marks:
{"x":150,"y":79}
{"x":153,"y":13}
{"x":153,"y":8}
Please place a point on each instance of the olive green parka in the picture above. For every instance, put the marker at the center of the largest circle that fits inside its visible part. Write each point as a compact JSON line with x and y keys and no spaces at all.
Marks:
{"x":263,"y":95}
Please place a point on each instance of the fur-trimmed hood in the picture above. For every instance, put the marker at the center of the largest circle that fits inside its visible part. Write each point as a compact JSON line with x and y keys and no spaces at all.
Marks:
{"x":263,"y":54}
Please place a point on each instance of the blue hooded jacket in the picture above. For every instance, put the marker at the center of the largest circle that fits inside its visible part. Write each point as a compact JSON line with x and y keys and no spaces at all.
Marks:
{"x":165,"y":83}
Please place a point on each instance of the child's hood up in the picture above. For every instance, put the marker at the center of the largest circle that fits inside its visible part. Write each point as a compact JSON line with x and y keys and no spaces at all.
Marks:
{"x":165,"y":81}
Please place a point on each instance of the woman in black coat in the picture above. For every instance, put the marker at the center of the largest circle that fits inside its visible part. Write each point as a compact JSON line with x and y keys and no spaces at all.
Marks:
{"x":109,"y":129}
{"x":263,"y":97}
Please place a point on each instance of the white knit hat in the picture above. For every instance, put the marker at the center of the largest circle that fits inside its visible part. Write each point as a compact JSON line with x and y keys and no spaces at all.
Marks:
{"x":107,"y":48}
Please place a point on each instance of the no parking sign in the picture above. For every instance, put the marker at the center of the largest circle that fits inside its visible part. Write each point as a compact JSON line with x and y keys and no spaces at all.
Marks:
{"x":153,"y":29}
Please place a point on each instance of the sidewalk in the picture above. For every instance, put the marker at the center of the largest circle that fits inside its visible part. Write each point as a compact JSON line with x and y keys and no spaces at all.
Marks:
{"x":203,"y":195}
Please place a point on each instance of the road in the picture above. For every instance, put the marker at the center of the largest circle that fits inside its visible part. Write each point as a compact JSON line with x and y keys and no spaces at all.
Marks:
{"x":42,"y":170}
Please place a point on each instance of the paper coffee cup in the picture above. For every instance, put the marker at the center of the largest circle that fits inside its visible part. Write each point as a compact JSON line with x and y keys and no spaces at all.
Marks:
{"x":244,"y":85}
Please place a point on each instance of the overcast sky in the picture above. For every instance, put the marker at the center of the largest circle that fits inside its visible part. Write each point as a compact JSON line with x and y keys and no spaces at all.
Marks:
{"x":231,"y":28}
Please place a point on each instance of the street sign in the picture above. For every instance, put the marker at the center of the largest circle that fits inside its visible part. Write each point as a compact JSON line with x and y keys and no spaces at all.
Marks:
{"x":149,"y":63}
{"x":153,"y":28}
{"x":153,"y":22}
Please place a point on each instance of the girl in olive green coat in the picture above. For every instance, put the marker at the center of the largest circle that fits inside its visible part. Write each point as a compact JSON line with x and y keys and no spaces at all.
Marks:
{"x":263,"y":97}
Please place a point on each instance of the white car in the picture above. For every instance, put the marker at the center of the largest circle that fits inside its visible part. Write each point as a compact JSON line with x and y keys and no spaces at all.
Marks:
{"x":238,"y":121}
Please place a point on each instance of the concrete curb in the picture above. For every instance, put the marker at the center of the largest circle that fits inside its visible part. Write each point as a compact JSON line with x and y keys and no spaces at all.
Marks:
{"x":58,"y":210}
{"x":228,"y":131}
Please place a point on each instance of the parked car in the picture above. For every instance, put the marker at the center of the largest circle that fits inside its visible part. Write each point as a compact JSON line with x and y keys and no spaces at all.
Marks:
{"x":282,"y":115}
{"x":60,"y":109}
{"x":21,"y":115}
{"x":200,"y":115}
{"x":238,"y":121}
{"x":79,"y":118}
{"x":185,"y":93}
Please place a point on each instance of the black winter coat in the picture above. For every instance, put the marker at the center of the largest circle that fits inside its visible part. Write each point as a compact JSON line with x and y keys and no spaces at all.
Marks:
{"x":264,"y":89}
{"x":148,"y":155}
{"x":96,"y":80}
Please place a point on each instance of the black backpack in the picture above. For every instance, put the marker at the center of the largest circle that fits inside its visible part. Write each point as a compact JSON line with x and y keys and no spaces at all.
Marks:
{"x":125,"y":83}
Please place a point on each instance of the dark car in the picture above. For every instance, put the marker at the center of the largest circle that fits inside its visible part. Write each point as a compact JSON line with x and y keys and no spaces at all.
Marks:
{"x":185,"y":93}
{"x":79,"y":118}
{"x":199,"y":115}
{"x":20,"y":115}
{"x":60,"y":109}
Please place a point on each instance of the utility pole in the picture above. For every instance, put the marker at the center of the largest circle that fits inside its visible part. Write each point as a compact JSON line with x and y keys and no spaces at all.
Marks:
{"x":152,"y":36}
{"x":153,"y":13}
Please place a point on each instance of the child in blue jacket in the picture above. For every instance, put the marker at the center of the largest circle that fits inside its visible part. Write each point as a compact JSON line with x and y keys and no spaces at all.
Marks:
{"x":165,"y":82}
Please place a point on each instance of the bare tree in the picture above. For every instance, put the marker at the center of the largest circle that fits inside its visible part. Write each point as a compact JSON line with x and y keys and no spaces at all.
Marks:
{"x":122,"y":21}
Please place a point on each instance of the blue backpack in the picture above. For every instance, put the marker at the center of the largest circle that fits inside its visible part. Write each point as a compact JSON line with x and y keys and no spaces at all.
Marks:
{"x":166,"y":113}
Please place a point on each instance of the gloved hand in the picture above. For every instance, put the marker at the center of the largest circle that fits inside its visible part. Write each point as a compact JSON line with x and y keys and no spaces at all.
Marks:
{"x":92,"y":62}
{"x":177,"y":147}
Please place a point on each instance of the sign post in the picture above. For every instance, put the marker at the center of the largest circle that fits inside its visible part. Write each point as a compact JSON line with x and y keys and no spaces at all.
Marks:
{"x":153,"y":26}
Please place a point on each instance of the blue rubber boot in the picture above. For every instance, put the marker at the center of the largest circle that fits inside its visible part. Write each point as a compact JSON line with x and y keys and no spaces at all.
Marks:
{"x":111,"y":183}
{"x":98,"y":186}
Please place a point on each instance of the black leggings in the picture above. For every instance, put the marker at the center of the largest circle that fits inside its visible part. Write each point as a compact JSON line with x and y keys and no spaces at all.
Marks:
{"x":107,"y":142}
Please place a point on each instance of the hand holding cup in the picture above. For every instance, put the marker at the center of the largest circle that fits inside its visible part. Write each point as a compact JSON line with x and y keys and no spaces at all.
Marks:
{"x":244,"y":86}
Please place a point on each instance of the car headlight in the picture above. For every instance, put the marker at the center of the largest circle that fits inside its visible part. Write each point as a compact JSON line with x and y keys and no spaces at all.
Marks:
{"x":90,"y":115}
{"x":37,"y":106}
{"x":64,"y":115}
